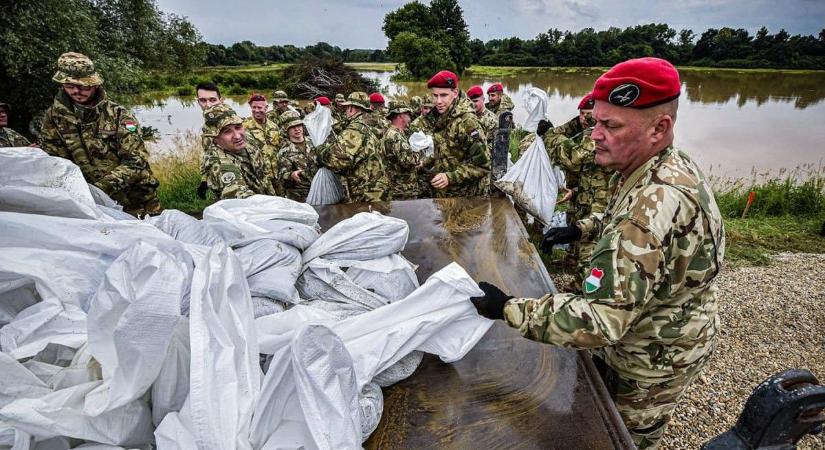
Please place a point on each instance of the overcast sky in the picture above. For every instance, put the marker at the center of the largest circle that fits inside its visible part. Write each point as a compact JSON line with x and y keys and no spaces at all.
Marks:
{"x":357,"y":23}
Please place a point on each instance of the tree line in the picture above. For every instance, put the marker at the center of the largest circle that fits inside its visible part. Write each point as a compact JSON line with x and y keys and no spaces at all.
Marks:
{"x":247,"y":52}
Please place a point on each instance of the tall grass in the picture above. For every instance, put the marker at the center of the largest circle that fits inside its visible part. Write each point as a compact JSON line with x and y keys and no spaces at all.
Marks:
{"x":177,"y":168}
{"x":797,"y":192}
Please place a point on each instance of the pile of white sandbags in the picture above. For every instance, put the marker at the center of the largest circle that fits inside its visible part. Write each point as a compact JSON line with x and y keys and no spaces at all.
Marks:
{"x":249,"y":329}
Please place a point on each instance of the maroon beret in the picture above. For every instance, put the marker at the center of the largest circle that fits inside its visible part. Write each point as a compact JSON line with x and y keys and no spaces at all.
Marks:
{"x":255,"y":97}
{"x":375,"y":97}
{"x":475,"y":92}
{"x":639,"y":83}
{"x":443,"y":79}
{"x":496,"y":87}
{"x":587,"y":102}
{"x":322,"y":100}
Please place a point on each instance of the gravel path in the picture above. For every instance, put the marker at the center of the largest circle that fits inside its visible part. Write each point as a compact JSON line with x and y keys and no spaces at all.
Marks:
{"x":773,"y":318}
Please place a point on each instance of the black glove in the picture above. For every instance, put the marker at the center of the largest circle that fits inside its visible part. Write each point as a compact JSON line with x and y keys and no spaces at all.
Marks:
{"x":543,"y":127}
{"x":319,"y":162}
{"x":560,"y":235}
{"x":202,"y":188}
{"x":491,"y":305}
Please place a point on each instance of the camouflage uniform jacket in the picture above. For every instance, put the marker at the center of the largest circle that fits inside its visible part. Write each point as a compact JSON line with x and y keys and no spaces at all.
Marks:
{"x":292,"y":157}
{"x":460,"y":151}
{"x":104,"y":140}
{"x":570,"y":128}
{"x":261,"y":135}
{"x":377,"y":122}
{"x":649,"y":304}
{"x":239,"y":175}
{"x":423,"y":124}
{"x":355,"y":155}
{"x":401,"y":164}
{"x":489,"y":122}
{"x":506,"y":104}
{"x":11,"y":138}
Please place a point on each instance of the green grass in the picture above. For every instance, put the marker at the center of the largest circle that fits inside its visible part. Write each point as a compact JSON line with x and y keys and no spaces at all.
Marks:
{"x":178,"y":171}
{"x":373,"y":66}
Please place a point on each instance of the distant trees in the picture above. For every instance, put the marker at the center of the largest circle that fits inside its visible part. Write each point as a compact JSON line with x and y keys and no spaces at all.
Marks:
{"x":123,"y":37}
{"x":246,"y":52}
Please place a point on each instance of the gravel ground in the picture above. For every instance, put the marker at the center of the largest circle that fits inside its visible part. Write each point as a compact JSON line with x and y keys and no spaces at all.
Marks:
{"x":773,"y":318}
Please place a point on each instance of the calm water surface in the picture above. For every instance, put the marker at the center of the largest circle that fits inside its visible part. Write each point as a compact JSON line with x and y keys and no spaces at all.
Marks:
{"x":732,"y":122}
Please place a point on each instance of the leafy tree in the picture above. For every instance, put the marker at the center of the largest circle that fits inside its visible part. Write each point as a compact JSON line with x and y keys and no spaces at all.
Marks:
{"x":422,"y":56}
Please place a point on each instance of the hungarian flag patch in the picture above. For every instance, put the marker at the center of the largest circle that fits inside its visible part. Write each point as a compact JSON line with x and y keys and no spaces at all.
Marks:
{"x":131,"y":125}
{"x":593,"y":281}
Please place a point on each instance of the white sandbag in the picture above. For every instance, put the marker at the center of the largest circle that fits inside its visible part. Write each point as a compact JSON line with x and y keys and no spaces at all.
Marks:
{"x":41,"y":324}
{"x":60,"y":413}
{"x":421,"y":142}
{"x":263,"y":306}
{"x":185,"y":228}
{"x":371,"y":406}
{"x":537,"y":104}
{"x":391,"y":277}
{"x":13,"y":439}
{"x":237,"y":218}
{"x":131,"y":320}
{"x":325,"y":188}
{"x":174,"y":433}
{"x":17,"y":382}
{"x":298,"y":235}
{"x":366,"y":235}
{"x":319,"y":124}
{"x":83,"y":369}
{"x":31,"y":181}
{"x":401,"y":370}
{"x":532,"y":183}
{"x":15,"y":296}
{"x":271,"y":268}
{"x":225,"y":372}
{"x":66,"y":257}
{"x":171,"y":387}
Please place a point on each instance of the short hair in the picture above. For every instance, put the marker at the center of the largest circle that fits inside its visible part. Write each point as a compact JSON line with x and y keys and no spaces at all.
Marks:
{"x":207,"y":86}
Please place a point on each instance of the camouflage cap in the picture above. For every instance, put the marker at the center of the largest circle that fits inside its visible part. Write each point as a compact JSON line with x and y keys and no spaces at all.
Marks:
{"x":339,"y":98}
{"x":427,"y":101}
{"x":287,"y":117}
{"x":76,"y":68}
{"x":359,"y":99}
{"x":415,"y":102}
{"x":292,"y":122}
{"x":280,"y":96}
{"x":217,"y":117}
{"x":397,"y":107}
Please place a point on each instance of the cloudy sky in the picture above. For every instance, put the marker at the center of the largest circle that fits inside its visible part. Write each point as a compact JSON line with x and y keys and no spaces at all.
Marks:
{"x":357,"y":23}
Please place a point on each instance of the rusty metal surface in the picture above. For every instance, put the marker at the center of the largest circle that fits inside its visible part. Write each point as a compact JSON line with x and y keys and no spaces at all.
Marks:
{"x":508,"y":392}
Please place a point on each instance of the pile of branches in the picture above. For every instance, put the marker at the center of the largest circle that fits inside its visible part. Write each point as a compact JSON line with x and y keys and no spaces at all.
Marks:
{"x":312,"y":76}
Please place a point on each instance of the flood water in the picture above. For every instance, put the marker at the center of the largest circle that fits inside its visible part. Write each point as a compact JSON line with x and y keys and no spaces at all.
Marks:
{"x":732,"y":122}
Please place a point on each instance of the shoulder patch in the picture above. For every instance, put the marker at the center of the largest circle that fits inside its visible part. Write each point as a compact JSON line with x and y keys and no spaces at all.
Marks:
{"x":474,"y":133}
{"x":227,"y":177}
{"x":130,"y":125}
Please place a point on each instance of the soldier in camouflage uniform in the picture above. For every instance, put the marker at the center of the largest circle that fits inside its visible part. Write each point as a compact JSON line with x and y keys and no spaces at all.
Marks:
{"x":280,"y":104}
{"x":264,"y":134}
{"x":488,"y":120}
{"x":375,"y":117}
{"x":400,"y":161}
{"x":499,"y":102}
{"x":207,"y":95}
{"x":415,"y":107}
{"x":237,"y":169}
{"x":296,"y":161}
{"x":9,"y":137}
{"x":648,"y":313}
{"x":100,"y":136}
{"x":461,"y":159}
{"x":423,"y":122}
{"x":355,"y":154}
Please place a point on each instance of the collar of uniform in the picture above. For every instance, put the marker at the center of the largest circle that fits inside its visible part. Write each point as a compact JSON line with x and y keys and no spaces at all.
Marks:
{"x":641,"y":171}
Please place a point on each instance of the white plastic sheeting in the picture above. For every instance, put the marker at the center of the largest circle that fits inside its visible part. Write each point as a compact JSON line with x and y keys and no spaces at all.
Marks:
{"x":325,"y":188}
{"x":128,"y":334}
{"x":537,"y":104}
{"x":319,"y":124}
{"x":421,"y":142}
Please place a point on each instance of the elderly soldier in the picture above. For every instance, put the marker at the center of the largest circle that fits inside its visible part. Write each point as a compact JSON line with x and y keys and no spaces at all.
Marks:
{"x":648,"y":312}
{"x":587,"y":182}
{"x":461,"y":159}
{"x":237,"y":168}
{"x":296,"y":161}
{"x":488,"y":120}
{"x":100,"y":136}
{"x":499,"y":101}
{"x":280,"y":104}
{"x":355,"y":154}
{"x":207,"y":95}
{"x":9,"y":137}
{"x":401,"y":162}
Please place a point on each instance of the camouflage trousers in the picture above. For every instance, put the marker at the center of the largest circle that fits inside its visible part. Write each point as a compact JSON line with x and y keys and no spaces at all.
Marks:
{"x":646,"y":408}
{"x":139,"y":201}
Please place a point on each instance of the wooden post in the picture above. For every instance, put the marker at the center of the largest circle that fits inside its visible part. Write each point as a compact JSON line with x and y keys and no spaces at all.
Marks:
{"x":501,"y":149}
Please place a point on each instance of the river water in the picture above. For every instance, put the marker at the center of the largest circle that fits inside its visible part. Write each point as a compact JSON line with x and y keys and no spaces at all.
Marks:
{"x":734,"y":123}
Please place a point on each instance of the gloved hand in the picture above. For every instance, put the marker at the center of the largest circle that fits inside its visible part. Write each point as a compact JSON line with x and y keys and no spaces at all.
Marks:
{"x":560,"y":235}
{"x":543,"y":127}
{"x":202,"y":189}
{"x":491,"y":305}
{"x":319,"y":162}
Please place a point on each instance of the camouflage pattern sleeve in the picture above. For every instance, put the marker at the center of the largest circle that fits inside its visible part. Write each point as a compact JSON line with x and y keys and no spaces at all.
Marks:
{"x":50,"y":140}
{"x":397,"y":151}
{"x":11,"y":138}
{"x":476,"y":163}
{"x":226,"y":179}
{"x":340,"y":155}
{"x":132,"y":154}
{"x":560,"y":150}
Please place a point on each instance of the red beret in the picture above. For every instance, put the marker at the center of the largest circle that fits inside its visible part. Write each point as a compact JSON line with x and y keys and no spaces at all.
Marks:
{"x":475,"y":92}
{"x":255,"y":97}
{"x":638,"y":83}
{"x":496,"y":87}
{"x":443,"y":79}
{"x":375,"y":97}
{"x":322,"y":100}
{"x":587,"y":102}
